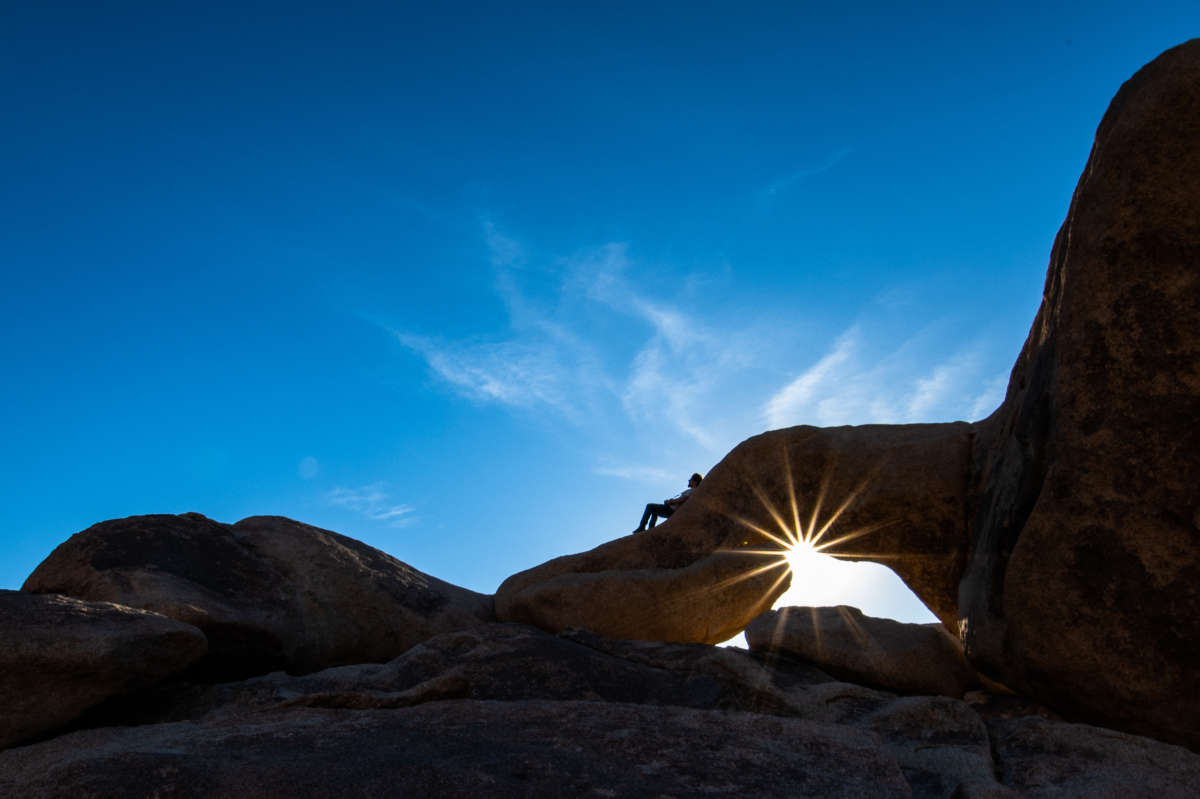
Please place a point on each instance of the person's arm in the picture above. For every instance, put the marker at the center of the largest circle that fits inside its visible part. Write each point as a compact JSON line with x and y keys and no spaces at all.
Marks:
{"x":679,"y":500}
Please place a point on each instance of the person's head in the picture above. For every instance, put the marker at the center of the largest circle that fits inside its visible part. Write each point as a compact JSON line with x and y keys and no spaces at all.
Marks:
{"x":694,"y":480}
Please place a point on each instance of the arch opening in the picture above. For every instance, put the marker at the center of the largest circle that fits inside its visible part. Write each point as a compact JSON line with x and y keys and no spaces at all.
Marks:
{"x":821,"y":580}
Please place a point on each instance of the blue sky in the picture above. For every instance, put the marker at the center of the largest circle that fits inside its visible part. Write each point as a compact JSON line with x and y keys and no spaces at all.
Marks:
{"x":474,"y":284}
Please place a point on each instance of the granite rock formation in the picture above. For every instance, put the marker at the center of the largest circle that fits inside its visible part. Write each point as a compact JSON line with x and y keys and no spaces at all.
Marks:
{"x":268,"y":592}
{"x":508,"y":710}
{"x":887,"y":654}
{"x":61,"y":656}
{"x":1059,"y":537}
{"x":700,"y":565}
{"x":1083,"y":584}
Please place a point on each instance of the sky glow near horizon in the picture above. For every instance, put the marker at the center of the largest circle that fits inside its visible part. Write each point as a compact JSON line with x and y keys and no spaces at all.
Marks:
{"x":474,"y":285}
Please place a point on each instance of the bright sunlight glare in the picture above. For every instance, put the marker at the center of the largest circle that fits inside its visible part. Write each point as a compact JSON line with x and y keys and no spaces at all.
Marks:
{"x":821,"y":580}
{"x":824,"y":581}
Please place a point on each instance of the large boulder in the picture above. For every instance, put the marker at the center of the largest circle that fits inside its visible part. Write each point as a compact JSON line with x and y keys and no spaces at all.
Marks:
{"x":904,"y":658}
{"x":270,"y":593}
{"x":61,"y":656}
{"x":888,"y":492}
{"x":1083,"y":586}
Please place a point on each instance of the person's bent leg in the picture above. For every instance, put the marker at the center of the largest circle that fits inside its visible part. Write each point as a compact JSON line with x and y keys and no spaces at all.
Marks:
{"x":656,"y":511}
{"x":647,"y":514}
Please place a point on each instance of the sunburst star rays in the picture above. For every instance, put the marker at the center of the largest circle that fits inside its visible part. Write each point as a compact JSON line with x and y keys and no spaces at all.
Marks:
{"x":798,"y":533}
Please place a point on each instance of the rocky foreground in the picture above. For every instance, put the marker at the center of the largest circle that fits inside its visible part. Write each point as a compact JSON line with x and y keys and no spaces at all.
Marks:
{"x":509,"y":710}
{"x":1058,"y":541}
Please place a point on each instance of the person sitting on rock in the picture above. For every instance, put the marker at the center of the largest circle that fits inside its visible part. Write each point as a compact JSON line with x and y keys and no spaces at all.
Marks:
{"x":654,"y":510}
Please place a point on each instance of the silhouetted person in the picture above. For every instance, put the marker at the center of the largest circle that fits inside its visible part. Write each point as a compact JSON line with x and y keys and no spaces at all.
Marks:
{"x":654,"y":510}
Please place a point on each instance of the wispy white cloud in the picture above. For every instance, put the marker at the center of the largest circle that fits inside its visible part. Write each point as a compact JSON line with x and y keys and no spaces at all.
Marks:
{"x":508,"y":372}
{"x":639,"y":474}
{"x":849,"y":385}
{"x":946,"y":381}
{"x":604,"y":341}
{"x":680,"y":368}
{"x":548,"y":357}
{"x":990,"y":397}
{"x":790,"y":401}
{"x":372,"y":502}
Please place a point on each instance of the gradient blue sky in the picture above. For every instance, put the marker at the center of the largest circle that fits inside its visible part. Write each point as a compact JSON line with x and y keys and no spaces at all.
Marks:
{"x":474,"y":283}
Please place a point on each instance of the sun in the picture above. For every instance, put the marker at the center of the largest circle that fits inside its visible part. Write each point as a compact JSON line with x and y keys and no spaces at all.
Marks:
{"x":801,"y":556}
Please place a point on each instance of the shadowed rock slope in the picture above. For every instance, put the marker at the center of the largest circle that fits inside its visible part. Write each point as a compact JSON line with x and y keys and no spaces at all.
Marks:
{"x":268,"y":592}
{"x":507,"y":710}
{"x":60,"y":656}
{"x":1083,"y":585}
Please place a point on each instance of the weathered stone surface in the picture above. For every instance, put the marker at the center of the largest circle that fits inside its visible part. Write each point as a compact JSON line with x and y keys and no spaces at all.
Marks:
{"x":509,"y":662}
{"x":462,"y":749}
{"x":60,"y":656}
{"x":269,"y":592}
{"x":1083,"y":589}
{"x":938,"y":743}
{"x":1043,"y":758}
{"x":509,"y":710}
{"x":693,"y":577}
{"x":905,"y":658}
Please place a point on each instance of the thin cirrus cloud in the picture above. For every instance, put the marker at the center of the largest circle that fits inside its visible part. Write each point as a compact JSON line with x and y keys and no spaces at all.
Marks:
{"x":372,"y":502}
{"x":546,"y":359}
{"x":639,"y":474}
{"x":849,"y":386}
{"x":510,"y":372}
{"x":537,"y":362}
{"x":590,"y":342}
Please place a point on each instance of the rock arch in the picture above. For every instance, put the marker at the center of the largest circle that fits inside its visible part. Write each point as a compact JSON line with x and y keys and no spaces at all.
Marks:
{"x":1061,"y":535}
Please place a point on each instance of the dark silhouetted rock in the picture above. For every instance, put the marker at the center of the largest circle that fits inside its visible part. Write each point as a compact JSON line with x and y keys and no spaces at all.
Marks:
{"x":462,"y":749}
{"x":941,"y":744}
{"x":511,"y":663}
{"x":905,"y":658}
{"x":1083,"y":589}
{"x":270,"y":593}
{"x":1043,"y":759}
{"x":509,"y":710}
{"x":60,"y":656}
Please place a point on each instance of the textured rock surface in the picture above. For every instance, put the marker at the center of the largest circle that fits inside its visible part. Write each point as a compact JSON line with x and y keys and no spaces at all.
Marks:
{"x":682,"y":580}
{"x":1042,"y":758}
{"x":61,"y":656}
{"x":496,"y":710}
{"x":269,"y":592}
{"x":905,"y":658}
{"x":463,"y":749}
{"x":508,"y":662}
{"x":1083,"y":588}
{"x":509,"y":710}
{"x":941,"y":744}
